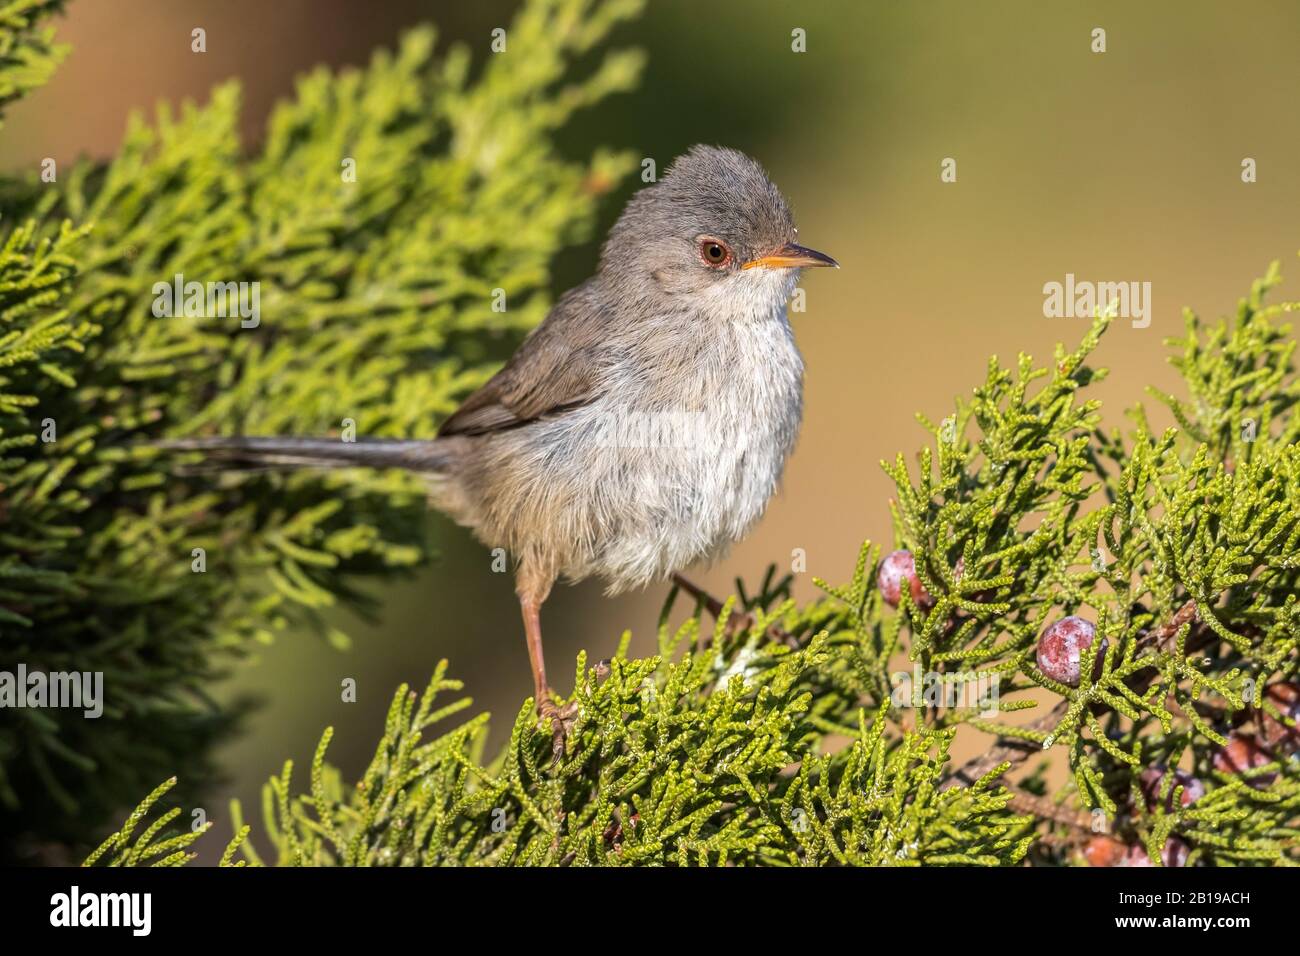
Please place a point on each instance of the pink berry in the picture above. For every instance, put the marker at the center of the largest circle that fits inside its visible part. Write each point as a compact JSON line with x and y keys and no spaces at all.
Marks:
{"x":1152,"y":779}
{"x":1174,"y":854}
{"x":1103,"y":851}
{"x":1061,"y":647}
{"x":896,"y":568}
{"x":1243,"y":754}
{"x":1275,"y":734}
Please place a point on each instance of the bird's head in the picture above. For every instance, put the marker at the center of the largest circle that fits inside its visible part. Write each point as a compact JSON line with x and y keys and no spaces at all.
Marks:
{"x":714,"y":228}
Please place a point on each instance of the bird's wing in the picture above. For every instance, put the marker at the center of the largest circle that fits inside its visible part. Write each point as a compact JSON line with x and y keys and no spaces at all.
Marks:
{"x":553,"y":371}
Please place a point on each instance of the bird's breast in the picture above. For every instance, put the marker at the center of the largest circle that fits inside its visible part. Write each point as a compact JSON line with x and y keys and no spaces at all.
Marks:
{"x":689,"y":444}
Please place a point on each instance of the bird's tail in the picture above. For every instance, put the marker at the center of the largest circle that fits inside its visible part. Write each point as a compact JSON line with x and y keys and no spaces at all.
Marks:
{"x":430,"y":455}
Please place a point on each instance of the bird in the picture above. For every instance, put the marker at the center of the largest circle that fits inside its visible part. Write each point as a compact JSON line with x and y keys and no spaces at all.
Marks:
{"x":643,"y":426}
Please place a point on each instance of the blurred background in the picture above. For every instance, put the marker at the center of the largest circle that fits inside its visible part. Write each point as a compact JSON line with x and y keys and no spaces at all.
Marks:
{"x":1121,"y":166}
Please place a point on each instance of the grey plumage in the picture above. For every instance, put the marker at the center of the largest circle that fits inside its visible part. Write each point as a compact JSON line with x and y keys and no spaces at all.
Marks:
{"x":644,"y":425}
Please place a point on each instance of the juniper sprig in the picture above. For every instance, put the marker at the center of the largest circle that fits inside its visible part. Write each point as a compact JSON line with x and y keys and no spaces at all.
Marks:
{"x":388,"y":209}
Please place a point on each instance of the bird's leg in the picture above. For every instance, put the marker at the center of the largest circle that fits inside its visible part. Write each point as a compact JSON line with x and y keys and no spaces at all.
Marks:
{"x":701,"y":596}
{"x":739,"y":620}
{"x":530,"y":603}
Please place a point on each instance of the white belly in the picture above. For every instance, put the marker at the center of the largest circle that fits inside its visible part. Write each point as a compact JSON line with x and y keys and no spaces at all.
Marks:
{"x":692,"y":465}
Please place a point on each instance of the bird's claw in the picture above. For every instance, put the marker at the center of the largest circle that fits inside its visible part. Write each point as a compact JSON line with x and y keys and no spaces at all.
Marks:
{"x":562,"y":720}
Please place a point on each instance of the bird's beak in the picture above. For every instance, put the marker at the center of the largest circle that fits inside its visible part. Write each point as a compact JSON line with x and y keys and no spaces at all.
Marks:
{"x":792,"y":256}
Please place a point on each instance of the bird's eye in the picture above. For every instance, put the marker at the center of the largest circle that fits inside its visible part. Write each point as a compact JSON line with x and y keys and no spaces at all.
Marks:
{"x":714,"y":251}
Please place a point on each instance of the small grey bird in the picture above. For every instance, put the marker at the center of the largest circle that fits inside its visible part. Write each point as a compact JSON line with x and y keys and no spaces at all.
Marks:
{"x":643,"y":426}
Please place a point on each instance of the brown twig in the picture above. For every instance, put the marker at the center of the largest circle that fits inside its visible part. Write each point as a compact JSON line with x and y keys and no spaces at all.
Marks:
{"x":1043,"y":808}
{"x":1009,"y":750}
{"x":1163,"y":636}
{"x":739,"y":621}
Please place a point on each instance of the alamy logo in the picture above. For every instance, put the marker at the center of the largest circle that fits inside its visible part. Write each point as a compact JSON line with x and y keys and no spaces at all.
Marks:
{"x":626,"y":427}
{"x":103,"y":909}
{"x":961,"y":690}
{"x":215,"y":300}
{"x":74,"y":689}
{"x":1082,"y":300}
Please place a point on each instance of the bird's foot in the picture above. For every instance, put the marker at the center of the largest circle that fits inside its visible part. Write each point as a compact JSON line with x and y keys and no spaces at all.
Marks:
{"x":561,"y":718}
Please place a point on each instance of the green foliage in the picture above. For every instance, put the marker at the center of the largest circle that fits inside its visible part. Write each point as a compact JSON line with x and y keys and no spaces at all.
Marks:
{"x":171,"y":850}
{"x":681,"y":759}
{"x":1181,"y":546}
{"x":376,"y":306}
{"x":28,"y":56}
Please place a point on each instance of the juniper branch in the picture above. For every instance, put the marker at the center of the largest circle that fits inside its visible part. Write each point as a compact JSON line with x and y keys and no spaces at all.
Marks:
{"x":1013,"y":752}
